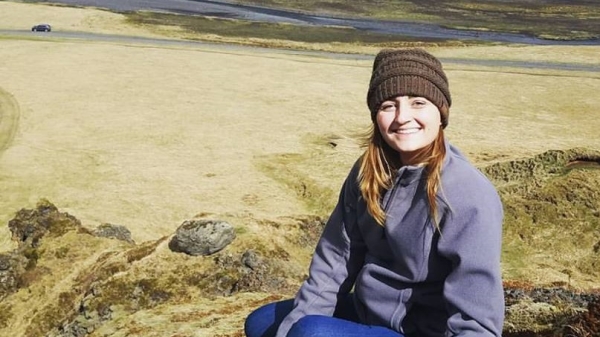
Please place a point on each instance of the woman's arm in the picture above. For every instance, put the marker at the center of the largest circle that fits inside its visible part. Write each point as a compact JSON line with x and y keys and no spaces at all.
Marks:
{"x":471,"y":239}
{"x":337,"y":260}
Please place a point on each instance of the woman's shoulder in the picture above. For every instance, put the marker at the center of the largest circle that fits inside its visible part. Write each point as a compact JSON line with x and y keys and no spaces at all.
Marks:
{"x":354,"y":172}
{"x":350,"y":186}
{"x":466,"y":190}
{"x":460,"y":176}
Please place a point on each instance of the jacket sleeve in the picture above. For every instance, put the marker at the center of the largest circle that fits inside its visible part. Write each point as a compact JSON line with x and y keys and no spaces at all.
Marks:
{"x":337,"y":259}
{"x":471,"y":238}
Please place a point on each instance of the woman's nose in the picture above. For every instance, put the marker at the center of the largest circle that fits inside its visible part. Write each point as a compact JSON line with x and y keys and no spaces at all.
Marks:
{"x":403,"y":112}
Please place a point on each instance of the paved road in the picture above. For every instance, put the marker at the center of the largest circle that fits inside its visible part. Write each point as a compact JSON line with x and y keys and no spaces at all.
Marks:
{"x":594,"y":68}
{"x":225,"y":9}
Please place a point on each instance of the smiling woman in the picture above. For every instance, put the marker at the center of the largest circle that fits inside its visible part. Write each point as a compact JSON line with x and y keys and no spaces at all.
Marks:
{"x":397,"y":255}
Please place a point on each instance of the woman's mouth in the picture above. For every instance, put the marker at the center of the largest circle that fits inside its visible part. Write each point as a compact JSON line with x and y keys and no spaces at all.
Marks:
{"x":407,"y":131}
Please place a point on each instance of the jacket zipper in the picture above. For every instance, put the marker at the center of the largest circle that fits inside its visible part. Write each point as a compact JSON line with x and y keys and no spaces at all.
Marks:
{"x":392,"y":193}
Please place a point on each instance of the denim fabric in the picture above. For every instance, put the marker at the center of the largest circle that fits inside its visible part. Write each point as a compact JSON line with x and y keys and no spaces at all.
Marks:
{"x":264,"y":321}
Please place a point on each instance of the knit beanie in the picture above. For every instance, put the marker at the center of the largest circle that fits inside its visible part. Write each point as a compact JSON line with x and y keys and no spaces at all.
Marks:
{"x":408,"y":72}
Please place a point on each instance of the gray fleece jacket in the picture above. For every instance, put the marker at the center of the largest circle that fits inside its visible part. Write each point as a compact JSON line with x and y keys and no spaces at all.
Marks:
{"x":406,"y":276}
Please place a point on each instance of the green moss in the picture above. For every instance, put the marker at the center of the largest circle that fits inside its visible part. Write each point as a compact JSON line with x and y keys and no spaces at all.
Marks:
{"x":61,"y":252}
{"x":52,"y":315}
{"x":240,"y":230}
{"x":139,"y":252}
{"x":131,"y":294}
{"x":551,"y":212}
{"x":32,"y":255}
{"x":6,"y":315}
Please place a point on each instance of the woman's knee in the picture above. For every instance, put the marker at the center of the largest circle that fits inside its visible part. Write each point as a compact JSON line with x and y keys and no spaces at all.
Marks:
{"x":327,"y":326}
{"x":264,"y":321}
{"x":313,"y":326}
{"x":259,"y":321}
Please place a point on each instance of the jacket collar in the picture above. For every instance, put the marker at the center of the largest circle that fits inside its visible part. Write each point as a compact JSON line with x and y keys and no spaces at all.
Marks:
{"x":409,"y":174}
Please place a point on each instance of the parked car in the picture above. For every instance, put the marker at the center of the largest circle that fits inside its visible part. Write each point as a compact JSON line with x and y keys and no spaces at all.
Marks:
{"x":44,"y":27}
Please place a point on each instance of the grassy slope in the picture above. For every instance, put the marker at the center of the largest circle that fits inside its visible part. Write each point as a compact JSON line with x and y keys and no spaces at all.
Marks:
{"x":552,"y":221}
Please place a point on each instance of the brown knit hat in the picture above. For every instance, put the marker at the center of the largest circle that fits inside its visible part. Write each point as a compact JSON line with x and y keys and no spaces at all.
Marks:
{"x":408,"y":72}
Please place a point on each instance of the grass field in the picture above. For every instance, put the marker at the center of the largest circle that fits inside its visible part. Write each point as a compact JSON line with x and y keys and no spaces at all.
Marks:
{"x":147,"y":136}
{"x":562,"y":19}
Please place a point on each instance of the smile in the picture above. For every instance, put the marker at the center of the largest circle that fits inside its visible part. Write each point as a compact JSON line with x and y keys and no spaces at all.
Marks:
{"x":407,"y":131}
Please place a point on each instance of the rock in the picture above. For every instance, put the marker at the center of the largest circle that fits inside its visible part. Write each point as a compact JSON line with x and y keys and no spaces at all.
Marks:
{"x":30,"y":225}
{"x":248,"y":273}
{"x":118,"y":232}
{"x":12,"y":267}
{"x":586,"y":323}
{"x":77,"y":328}
{"x":311,"y":227}
{"x":251,"y":260}
{"x":202,"y":237}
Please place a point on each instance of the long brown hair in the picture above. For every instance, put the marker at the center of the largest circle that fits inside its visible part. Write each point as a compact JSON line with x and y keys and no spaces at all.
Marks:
{"x":379,"y":164}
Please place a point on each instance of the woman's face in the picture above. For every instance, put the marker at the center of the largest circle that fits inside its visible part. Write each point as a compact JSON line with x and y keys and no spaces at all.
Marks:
{"x":408,"y":124}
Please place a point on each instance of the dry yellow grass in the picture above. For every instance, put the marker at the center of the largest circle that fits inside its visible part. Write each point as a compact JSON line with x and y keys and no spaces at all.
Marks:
{"x":159,"y":143}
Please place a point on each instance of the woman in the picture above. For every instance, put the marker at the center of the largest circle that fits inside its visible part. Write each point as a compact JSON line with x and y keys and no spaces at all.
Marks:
{"x":413,"y":245}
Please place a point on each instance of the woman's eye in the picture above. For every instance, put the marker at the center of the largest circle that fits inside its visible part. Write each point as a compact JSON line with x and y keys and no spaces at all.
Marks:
{"x":387,"y":107}
{"x":419,"y":102}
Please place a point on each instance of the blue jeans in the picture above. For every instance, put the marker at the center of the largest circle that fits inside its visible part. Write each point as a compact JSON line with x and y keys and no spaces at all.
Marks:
{"x":264,"y":321}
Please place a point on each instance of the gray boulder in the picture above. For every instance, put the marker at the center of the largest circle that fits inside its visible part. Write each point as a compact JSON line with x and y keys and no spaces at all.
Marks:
{"x":118,"y":232}
{"x":12,"y":267}
{"x":202,"y":237}
{"x":30,"y":225}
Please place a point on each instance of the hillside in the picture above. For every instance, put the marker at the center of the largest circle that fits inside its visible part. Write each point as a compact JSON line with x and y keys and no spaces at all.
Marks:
{"x":121,"y":288}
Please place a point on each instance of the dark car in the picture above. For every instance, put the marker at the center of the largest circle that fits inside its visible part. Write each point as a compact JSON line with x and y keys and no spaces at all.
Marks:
{"x":44,"y":27}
